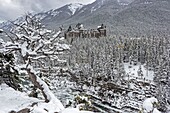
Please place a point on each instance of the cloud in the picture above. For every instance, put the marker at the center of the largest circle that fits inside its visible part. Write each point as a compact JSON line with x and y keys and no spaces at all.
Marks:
{"x":11,"y":9}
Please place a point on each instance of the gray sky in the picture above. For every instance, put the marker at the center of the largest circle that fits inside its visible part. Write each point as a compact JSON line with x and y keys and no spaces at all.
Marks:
{"x":11,"y":9}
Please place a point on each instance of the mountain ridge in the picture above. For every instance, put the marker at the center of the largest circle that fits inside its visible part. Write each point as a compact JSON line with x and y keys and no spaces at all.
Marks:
{"x":135,"y":17}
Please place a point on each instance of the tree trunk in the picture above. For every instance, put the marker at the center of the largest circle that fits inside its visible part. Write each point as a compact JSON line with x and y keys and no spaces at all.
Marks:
{"x":33,"y":78}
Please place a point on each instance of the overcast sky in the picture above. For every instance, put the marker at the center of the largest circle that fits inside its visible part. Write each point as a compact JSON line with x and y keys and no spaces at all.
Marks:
{"x":11,"y":9}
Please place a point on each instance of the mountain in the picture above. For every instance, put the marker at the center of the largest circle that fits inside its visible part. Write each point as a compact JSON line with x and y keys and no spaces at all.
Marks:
{"x":60,"y":14}
{"x":90,"y":15}
{"x":134,"y":17}
{"x":144,"y":17}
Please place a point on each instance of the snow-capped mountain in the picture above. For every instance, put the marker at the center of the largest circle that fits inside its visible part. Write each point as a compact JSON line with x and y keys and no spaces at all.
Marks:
{"x":120,"y":16}
{"x":64,"y":12}
{"x":87,"y":14}
{"x":9,"y":24}
{"x":59,"y":14}
{"x":73,"y":13}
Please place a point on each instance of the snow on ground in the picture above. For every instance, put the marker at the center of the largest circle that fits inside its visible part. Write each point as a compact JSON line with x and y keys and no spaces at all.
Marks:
{"x":133,"y":71}
{"x":55,"y":12}
{"x":13,"y":100}
{"x":74,"y":110}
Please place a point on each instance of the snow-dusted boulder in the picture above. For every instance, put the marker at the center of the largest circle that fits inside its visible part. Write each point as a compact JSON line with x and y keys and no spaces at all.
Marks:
{"x":148,"y":105}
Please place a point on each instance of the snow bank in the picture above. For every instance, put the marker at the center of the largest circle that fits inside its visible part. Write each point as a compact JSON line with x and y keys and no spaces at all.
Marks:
{"x":13,"y":100}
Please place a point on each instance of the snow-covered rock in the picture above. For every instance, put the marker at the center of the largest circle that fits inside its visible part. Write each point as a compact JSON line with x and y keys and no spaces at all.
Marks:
{"x":148,"y":105}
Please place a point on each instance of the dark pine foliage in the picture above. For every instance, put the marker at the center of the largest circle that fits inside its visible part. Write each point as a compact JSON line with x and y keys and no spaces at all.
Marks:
{"x":8,"y":74}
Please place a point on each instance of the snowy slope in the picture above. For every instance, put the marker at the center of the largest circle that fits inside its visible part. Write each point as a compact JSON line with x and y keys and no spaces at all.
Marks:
{"x":125,"y":2}
{"x":13,"y":100}
{"x":61,"y":13}
{"x":121,"y":16}
{"x":74,"y":7}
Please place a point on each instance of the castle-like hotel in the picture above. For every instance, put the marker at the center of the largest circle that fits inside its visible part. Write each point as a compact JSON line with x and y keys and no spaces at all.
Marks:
{"x":79,"y":31}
